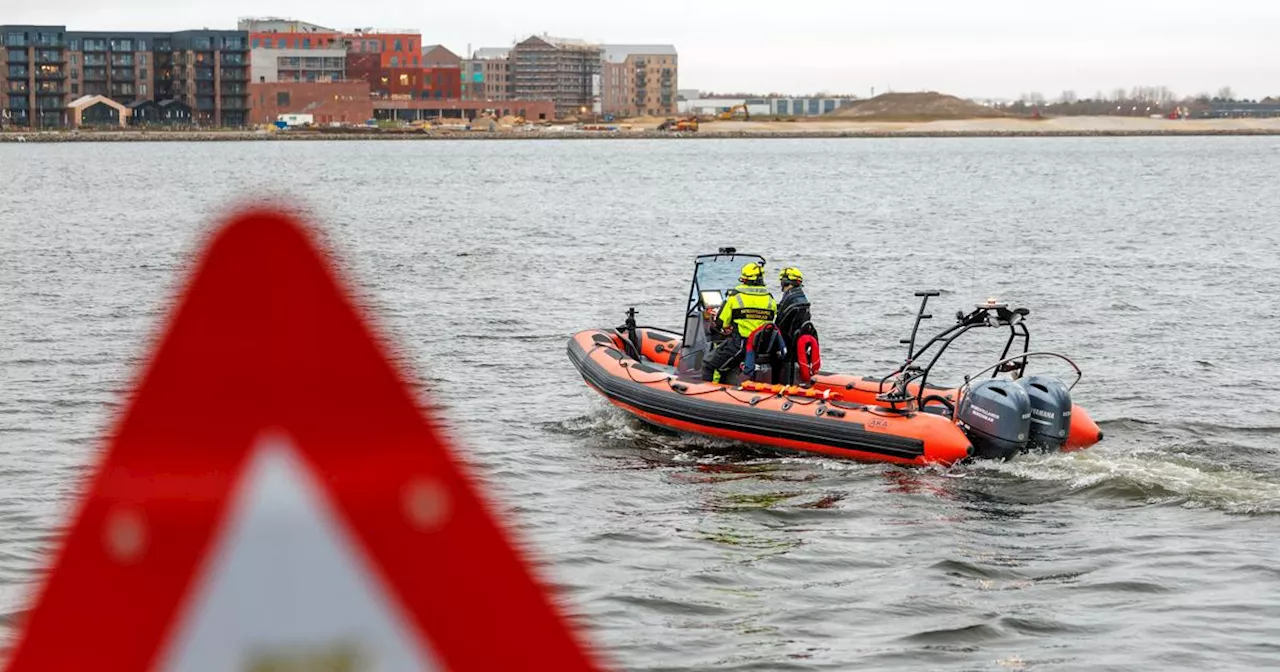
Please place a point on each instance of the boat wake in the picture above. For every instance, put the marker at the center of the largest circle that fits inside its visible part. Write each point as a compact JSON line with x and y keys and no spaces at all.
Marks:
{"x":1140,"y":465}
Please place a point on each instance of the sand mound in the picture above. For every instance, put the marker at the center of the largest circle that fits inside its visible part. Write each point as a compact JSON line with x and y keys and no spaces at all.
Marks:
{"x":916,"y":106}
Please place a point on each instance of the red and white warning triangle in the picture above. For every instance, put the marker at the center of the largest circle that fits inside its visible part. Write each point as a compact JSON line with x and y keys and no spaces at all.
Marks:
{"x":274,"y":499}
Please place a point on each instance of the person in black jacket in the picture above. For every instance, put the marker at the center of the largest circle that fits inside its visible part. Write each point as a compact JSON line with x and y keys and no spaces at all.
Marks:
{"x":793,"y":314}
{"x":792,"y":281}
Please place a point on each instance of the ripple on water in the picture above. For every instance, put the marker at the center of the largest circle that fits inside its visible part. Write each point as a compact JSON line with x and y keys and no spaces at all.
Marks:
{"x":1155,"y":548}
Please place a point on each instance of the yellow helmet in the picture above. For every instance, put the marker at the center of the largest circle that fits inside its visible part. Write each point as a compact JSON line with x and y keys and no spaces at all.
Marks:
{"x":752,"y":272}
{"x":791,"y":274}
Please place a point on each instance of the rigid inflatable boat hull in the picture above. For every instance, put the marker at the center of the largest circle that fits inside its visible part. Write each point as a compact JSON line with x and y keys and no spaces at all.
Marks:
{"x":792,"y":422}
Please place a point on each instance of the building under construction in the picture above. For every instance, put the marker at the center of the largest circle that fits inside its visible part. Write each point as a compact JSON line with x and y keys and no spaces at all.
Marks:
{"x":566,"y":72}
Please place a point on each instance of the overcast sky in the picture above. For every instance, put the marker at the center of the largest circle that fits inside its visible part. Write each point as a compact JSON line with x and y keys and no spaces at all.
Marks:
{"x":978,"y":48}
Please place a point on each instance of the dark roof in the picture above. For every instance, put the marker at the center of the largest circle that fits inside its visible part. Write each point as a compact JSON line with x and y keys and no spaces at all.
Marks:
{"x":141,"y":103}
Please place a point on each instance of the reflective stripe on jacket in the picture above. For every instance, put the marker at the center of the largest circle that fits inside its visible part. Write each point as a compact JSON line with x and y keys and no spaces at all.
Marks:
{"x":748,"y":307}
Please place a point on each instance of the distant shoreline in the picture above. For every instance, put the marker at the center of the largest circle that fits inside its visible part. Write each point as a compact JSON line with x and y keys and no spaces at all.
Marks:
{"x":1101,"y":127}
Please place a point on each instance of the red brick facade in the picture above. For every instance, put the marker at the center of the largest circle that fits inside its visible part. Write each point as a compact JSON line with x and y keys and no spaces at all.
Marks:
{"x":333,"y":102}
{"x":401,"y":83}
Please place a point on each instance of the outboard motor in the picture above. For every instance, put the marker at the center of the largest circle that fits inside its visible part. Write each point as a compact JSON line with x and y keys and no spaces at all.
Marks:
{"x":1050,"y":412}
{"x":996,"y":416}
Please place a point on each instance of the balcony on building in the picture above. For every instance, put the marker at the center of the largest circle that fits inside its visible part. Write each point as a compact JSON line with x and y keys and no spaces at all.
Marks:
{"x":95,"y":74}
{"x":120,"y":44}
{"x":204,"y":74}
{"x":17,"y":56}
{"x":18,"y":72}
{"x":48,"y":40}
{"x":122,"y":75}
{"x":50,"y":72}
{"x":122,"y":60}
{"x":94,"y":45}
{"x":48,"y":56}
{"x":19,"y":102}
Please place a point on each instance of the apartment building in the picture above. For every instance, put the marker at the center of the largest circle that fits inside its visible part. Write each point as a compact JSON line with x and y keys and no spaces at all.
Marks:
{"x":32,"y":59}
{"x":563,"y":71}
{"x":639,"y":80}
{"x":209,"y":71}
{"x":48,"y":67}
{"x":487,"y":75}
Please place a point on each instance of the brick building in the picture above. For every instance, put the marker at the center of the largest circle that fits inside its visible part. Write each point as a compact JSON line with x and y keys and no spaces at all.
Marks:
{"x":439,"y":56}
{"x":639,"y":80}
{"x":403,"y":83}
{"x":328,"y":103}
{"x":32,"y":59}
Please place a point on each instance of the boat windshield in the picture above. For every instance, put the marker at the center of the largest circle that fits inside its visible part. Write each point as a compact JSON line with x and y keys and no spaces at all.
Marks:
{"x":713,"y":276}
{"x":720,"y":272}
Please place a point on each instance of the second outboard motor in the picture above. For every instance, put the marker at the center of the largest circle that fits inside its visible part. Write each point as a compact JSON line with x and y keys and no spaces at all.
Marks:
{"x":996,"y":415}
{"x":1050,"y":412}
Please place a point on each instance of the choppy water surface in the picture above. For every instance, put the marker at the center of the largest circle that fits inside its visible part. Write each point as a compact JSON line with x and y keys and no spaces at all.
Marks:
{"x":1152,"y":262}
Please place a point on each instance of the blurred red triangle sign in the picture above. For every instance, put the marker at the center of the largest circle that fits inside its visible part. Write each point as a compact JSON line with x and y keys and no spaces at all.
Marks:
{"x":273,"y":499}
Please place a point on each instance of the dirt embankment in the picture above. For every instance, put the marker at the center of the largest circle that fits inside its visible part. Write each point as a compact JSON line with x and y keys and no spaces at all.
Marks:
{"x":915,"y":106}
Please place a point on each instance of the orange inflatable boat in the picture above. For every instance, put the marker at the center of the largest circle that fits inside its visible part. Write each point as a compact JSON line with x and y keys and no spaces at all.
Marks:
{"x":781,"y":398}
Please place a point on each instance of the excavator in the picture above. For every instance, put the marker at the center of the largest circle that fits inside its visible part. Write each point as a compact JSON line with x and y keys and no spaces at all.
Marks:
{"x":728,"y":115}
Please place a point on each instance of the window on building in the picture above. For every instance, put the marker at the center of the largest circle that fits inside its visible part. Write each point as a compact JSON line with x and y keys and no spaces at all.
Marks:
{"x":397,"y":45}
{"x":142,"y":73}
{"x":73,"y":45}
{"x":280,"y":43}
{"x":256,"y":42}
{"x":384,"y":80}
{"x":282,"y":98}
{"x":404,"y":80}
{"x":306,"y":43}
{"x":74,"y":60}
{"x":142,"y":59}
{"x":395,"y":61}
{"x":75,"y":74}
{"x":828,"y":106}
{"x":415,"y":61}
{"x":142,"y":89}
{"x":142,"y":45}
{"x":75,"y":88}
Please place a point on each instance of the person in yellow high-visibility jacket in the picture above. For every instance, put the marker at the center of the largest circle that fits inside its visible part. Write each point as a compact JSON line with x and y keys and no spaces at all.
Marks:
{"x":747,"y":307}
